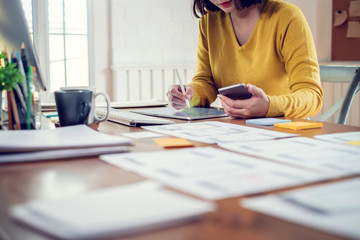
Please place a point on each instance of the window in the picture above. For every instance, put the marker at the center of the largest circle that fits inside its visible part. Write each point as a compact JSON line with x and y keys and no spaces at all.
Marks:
{"x":66,"y":36}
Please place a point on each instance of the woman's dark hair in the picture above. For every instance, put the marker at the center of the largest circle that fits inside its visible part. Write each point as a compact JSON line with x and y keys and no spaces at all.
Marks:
{"x":203,"y":6}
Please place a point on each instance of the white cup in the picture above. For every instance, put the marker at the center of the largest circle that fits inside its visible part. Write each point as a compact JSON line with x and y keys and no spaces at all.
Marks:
{"x":93,"y":118}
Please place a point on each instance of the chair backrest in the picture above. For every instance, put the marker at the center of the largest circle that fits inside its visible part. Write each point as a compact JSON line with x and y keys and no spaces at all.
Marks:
{"x":341,"y":74}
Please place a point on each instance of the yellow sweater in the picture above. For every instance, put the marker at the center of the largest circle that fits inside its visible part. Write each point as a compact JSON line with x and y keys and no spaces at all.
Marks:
{"x":279,"y":57}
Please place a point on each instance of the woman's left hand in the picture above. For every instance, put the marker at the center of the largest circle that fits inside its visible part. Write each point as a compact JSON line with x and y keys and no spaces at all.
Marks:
{"x":256,"y":106}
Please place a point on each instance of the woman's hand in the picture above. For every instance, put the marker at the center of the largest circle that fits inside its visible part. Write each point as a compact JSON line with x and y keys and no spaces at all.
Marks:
{"x":177,"y":98}
{"x":256,"y":106}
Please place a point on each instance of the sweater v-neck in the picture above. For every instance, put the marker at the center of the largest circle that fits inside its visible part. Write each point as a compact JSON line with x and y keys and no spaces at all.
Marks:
{"x":251,"y":38}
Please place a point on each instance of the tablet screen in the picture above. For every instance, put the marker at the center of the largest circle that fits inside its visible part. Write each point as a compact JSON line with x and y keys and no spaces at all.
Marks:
{"x":193,"y":113}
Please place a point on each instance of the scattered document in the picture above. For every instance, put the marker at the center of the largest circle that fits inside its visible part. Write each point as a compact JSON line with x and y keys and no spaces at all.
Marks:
{"x":212,"y":173}
{"x":113,"y":211}
{"x":217,"y":132}
{"x":333,"y":207}
{"x":332,"y":159}
{"x":78,"y":136}
{"x":344,"y":137}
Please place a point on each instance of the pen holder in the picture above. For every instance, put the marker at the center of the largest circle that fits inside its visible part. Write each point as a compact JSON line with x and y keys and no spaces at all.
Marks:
{"x":19,"y":114}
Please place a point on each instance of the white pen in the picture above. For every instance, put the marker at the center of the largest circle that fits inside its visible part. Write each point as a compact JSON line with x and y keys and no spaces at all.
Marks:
{"x":182,"y":88}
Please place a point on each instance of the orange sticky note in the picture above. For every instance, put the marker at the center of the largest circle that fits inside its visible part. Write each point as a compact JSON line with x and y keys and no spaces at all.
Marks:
{"x":173,"y":142}
{"x":299,"y":125}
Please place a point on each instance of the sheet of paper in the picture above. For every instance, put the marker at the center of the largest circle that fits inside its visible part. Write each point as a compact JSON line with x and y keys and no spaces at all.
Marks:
{"x":266,"y":121}
{"x":212,"y":173}
{"x":173,"y":142}
{"x":60,"y":138}
{"x":217,"y":132}
{"x":144,"y":134}
{"x":332,"y":159}
{"x":118,"y":210}
{"x":354,"y":9}
{"x":333,"y":207}
{"x":353,"y":30}
{"x":340,"y":137}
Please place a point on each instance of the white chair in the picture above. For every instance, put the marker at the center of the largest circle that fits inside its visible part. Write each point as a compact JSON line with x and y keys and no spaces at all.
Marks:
{"x":341,"y":74}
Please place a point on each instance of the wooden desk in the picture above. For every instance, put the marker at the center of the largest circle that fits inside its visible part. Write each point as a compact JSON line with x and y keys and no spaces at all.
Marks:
{"x":22,"y":182}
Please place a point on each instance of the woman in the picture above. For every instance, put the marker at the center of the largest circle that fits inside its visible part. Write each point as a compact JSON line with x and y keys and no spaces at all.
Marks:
{"x":266,"y":44}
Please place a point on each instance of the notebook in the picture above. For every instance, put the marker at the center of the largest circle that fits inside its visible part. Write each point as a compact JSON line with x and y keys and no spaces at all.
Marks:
{"x":194,"y":113}
{"x":135,"y":104}
{"x":131,"y":119}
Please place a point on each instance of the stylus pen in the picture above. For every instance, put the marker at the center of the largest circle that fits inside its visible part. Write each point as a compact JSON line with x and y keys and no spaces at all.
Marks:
{"x":182,"y":88}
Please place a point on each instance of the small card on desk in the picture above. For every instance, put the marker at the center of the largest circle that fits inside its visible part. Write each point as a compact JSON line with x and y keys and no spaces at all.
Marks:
{"x":266,"y":121}
{"x":299,"y":125}
{"x":173,"y":142}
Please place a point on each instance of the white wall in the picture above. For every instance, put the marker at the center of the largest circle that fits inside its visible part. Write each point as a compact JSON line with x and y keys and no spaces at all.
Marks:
{"x":318,"y":13}
{"x":164,"y":32}
{"x":100,"y":45}
{"x":157,"y":32}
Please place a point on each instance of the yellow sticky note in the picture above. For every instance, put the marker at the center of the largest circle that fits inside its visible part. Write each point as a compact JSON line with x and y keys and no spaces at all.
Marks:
{"x":356,"y":143}
{"x":173,"y":142}
{"x":299,"y":125}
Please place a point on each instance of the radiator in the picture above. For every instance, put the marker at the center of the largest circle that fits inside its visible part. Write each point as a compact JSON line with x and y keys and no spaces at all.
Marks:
{"x":333,"y":92}
{"x":134,"y":83}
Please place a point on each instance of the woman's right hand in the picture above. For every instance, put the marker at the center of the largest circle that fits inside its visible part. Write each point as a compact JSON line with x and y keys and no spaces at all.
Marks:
{"x":177,"y":98}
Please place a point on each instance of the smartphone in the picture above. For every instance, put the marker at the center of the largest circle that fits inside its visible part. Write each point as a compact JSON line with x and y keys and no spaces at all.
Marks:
{"x":236,"y":92}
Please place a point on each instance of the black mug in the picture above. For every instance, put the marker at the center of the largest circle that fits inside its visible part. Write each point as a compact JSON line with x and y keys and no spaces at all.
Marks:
{"x":73,"y":106}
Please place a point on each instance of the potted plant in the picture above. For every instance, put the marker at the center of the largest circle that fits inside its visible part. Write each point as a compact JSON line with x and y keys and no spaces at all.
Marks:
{"x":10,"y":76}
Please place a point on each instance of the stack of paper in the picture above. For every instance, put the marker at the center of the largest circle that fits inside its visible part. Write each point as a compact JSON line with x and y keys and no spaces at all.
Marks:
{"x":119,"y":210}
{"x":332,"y":207}
{"x":65,"y":142}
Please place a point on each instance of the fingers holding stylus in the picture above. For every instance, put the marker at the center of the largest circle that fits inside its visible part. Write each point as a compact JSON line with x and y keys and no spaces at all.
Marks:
{"x":177,"y":98}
